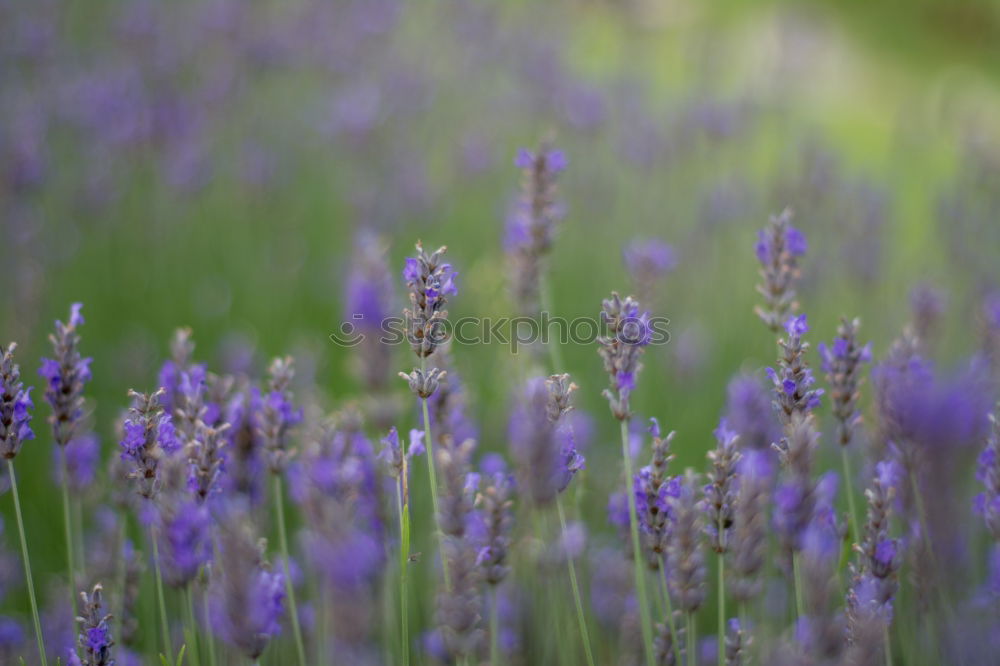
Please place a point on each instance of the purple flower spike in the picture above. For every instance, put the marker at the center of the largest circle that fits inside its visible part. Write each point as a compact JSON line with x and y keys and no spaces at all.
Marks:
{"x":65,"y":376}
{"x":429,"y":281}
{"x":842,"y":363}
{"x":94,"y":640}
{"x":15,"y":406}
{"x":778,"y":248}
{"x":148,"y":436}
{"x":628,"y":332}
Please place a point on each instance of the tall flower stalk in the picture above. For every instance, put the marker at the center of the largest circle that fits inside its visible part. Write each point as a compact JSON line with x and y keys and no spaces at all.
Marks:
{"x":15,"y":429}
{"x":430,"y":281}
{"x":719,"y":507}
{"x":627,"y":333}
{"x":398,"y":463}
{"x":842,"y":362}
{"x":276,"y":417}
{"x":65,"y":376}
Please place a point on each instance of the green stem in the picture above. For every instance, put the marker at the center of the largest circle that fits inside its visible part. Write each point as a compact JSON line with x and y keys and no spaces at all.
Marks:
{"x":279,"y":507}
{"x":404,"y":558}
{"x":208,"y":637}
{"x":119,"y":617}
{"x":692,"y":641}
{"x":432,"y":474}
{"x":584,"y":634}
{"x":161,"y":600}
{"x":192,"y":630}
{"x":849,"y":487}
{"x":888,"y":645}
{"x":640,"y":587}
{"x":555,"y":349}
{"x":494,"y":628}
{"x":70,"y":564}
{"x":722,"y":607}
{"x":27,"y":564}
{"x":675,"y":639}
{"x":800,"y":607}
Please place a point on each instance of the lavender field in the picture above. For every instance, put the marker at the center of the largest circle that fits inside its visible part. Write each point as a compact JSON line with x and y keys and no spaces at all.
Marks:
{"x":367,"y":332}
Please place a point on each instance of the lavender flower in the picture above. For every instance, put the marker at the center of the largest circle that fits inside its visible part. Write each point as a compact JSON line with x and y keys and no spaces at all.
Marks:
{"x":94,"y":640}
{"x":987,"y":503}
{"x":459,"y":605}
{"x":629,"y":332}
{"x":368,"y":301}
{"x":244,"y":478}
{"x":647,"y":261}
{"x":430,"y":282}
{"x":653,"y":490}
{"x":928,"y":304}
{"x":247,"y":598}
{"x":393,"y":455}
{"x":749,"y":413}
{"x":532,"y":224}
{"x":720,"y":492}
{"x":149,"y":435}
{"x":748,"y":542}
{"x":82,"y":454}
{"x":206,"y":461}
{"x":794,"y":497}
{"x":277,"y":415}
{"x":494,"y":505}
{"x":685,"y":559}
{"x":458,"y":486}
{"x":737,"y":643}
{"x":15,"y":403}
{"x":545,"y":454}
{"x":778,"y":248}
{"x":793,"y":379}
{"x":65,"y":376}
{"x":842,"y":365}
{"x":172,"y":370}
{"x":187,"y":541}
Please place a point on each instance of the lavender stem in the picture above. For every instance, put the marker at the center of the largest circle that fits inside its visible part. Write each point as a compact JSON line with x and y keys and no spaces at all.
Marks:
{"x":432,"y":474}
{"x":494,"y":628}
{"x":722,"y":606}
{"x":71,"y":566}
{"x":191,"y":630}
{"x":279,"y":507}
{"x":849,"y":488}
{"x":576,"y":588}
{"x":27,"y":563}
{"x":691,"y":641}
{"x":640,"y":588}
{"x":404,"y":557}
{"x":164,"y":626}
{"x":670,"y":616}
{"x":800,"y":608}
{"x":208,"y":638}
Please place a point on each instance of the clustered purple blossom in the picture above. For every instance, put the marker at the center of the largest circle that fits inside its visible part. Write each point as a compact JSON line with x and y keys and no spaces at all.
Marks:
{"x":247,"y":598}
{"x":653,"y":489}
{"x":149,"y":436}
{"x":276,"y":414}
{"x":842,"y":362}
{"x":532,"y":223}
{"x":543,"y":447}
{"x":493,"y":504}
{"x":368,"y":302}
{"x":748,"y":541}
{"x":987,"y":503}
{"x":65,"y":376}
{"x":794,"y":378}
{"x":628,"y":333}
{"x":720,"y":491}
{"x":685,"y":558}
{"x":187,"y":542}
{"x":778,"y":249}
{"x":430,"y":282}
{"x":647,"y":260}
{"x":15,"y":406}
{"x":94,"y":640}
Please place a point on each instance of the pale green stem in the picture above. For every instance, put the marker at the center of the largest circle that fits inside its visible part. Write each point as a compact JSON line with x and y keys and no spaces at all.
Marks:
{"x":584,"y":634}
{"x":70,"y":563}
{"x":888,"y":645}
{"x":849,"y":487}
{"x":800,"y":608}
{"x":208,"y":637}
{"x":675,"y":639}
{"x":404,"y":557}
{"x":692,"y":640}
{"x":161,"y":600}
{"x":494,"y":628}
{"x":640,"y":587}
{"x":192,"y":629}
{"x":555,"y":349}
{"x":293,"y":611}
{"x":722,"y":607}
{"x":119,"y":617}
{"x":432,"y":474}
{"x":27,"y":564}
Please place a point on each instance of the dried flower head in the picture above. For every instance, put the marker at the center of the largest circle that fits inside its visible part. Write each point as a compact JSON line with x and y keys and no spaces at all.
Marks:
{"x":628,"y":333}
{"x":15,"y":403}
{"x":149,"y":436}
{"x":720,"y":491}
{"x":430,"y":282}
{"x":494,"y":504}
{"x":94,"y":640}
{"x":778,"y":248}
{"x":842,"y":364}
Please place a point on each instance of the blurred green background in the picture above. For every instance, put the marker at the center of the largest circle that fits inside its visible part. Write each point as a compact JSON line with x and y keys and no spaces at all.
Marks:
{"x":210,"y":163}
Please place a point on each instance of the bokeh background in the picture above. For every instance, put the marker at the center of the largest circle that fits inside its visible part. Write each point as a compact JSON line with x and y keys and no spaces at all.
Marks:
{"x":211,"y":164}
